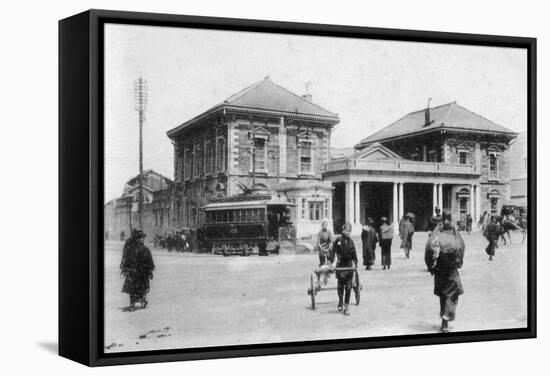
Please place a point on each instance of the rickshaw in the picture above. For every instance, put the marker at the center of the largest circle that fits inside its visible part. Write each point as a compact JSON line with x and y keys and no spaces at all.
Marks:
{"x":318,"y":281}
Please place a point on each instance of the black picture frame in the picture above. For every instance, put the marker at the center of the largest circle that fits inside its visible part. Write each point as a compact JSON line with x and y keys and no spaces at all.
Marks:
{"x":81,"y":183}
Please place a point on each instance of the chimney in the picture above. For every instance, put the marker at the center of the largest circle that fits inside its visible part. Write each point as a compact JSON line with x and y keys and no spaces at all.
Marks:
{"x":428,"y":114}
{"x":307,"y":96}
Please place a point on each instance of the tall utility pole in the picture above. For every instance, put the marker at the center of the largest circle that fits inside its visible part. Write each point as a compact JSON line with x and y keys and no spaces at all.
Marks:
{"x":140,"y":98}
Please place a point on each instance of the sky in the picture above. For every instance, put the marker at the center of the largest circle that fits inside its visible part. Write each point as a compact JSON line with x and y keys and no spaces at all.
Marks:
{"x":368,"y":83}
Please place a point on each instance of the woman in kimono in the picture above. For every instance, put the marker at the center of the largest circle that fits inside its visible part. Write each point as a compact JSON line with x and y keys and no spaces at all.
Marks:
{"x":137,"y":268}
{"x":385,"y":237}
{"x":369,"y":240}
{"x":444,"y":256}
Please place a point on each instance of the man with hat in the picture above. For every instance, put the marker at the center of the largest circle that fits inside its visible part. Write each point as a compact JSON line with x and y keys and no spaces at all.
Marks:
{"x":344,"y":250}
{"x":369,"y":240}
{"x":444,"y":256}
{"x":137,"y":267}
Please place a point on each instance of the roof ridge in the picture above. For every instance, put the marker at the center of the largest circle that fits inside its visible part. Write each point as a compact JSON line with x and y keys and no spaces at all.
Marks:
{"x":241,"y":92}
{"x":302,"y":98}
{"x":483,"y":117}
{"x":432,"y":108}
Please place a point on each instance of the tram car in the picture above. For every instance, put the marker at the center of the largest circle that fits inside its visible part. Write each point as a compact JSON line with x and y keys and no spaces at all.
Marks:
{"x":247,"y":224}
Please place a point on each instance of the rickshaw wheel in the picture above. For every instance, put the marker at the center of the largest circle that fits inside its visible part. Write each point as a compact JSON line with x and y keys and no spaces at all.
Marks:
{"x":357,"y":289}
{"x":312,"y":291}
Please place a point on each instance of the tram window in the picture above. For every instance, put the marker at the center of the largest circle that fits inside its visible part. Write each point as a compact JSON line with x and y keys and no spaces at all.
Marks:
{"x":224,"y":216}
{"x":240,"y":215}
{"x":262,"y":215}
{"x":230,"y":215}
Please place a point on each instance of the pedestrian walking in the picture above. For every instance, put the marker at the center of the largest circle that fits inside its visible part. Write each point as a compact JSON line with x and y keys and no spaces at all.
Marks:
{"x":436,"y":220}
{"x":445,"y":255}
{"x":324,"y":243}
{"x":492,"y":234}
{"x":137,"y":268}
{"x":469,"y":223}
{"x":407,"y":235}
{"x":343,"y":255}
{"x":369,"y":240}
{"x":385,"y":236}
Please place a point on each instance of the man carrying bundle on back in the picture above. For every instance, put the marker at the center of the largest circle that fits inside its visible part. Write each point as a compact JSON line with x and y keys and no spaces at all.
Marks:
{"x":444,"y":255}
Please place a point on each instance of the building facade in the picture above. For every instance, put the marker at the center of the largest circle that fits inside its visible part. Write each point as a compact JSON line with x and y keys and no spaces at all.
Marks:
{"x":518,"y":170}
{"x":121,"y":214}
{"x":261,"y":137}
{"x":445,"y":156}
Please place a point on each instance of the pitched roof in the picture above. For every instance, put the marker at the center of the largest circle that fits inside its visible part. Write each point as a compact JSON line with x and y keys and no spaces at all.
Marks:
{"x":448,"y":116}
{"x":375,"y":151}
{"x":267,"y":96}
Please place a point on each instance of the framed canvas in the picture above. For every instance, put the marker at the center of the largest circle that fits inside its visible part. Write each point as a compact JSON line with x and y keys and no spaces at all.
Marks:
{"x":234,"y":187}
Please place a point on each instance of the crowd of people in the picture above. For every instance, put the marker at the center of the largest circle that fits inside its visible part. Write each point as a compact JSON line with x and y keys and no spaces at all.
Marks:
{"x":443,"y":253}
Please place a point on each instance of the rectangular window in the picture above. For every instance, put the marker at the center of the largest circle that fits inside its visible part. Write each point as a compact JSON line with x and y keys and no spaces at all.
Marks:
{"x":432,"y":156}
{"x":187,"y":163}
{"x":305,"y":157}
{"x":197,"y":161}
{"x":260,"y":153}
{"x":210,"y":157}
{"x":463,"y":157}
{"x":493,"y":167}
{"x":304,"y":208}
{"x":326,"y":207}
{"x":315,"y":210}
{"x":220,"y":155}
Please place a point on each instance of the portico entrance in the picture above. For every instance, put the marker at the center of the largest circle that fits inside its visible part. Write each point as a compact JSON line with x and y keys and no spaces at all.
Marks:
{"x":419,"y":199}
{"x":376,"y":201}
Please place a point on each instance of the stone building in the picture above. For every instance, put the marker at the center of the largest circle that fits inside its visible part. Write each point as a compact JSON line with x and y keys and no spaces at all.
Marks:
{"x":263,"y":136}
{"x":444,"y":156}
{"x":518,"y":170}
{"x":121,"y":214}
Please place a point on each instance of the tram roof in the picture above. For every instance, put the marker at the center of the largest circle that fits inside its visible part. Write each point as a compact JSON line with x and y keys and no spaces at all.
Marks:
{"x":245,"y":204}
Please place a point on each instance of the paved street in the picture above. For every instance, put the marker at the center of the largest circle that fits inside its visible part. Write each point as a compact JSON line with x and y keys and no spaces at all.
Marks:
{"x":206,"y":300}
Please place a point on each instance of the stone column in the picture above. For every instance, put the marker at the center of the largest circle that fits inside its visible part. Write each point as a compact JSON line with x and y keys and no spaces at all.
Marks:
{"x":472,"y":203}
{"x":434,"y":195}
{"x":401,"y":201}
{"x":395,"y":204}
{"x":282,"y":148}
{"x":349,"y":202}
{"x":478,"y":202}
{"x":357,"y":202}
{"x":440,"y":197}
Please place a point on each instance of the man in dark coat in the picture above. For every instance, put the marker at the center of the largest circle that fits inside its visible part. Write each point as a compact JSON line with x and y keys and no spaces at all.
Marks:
{"x":137,"y":267}
{"x":407,"y":234}
{"x":492,"y":234}
{"x":444,"y":256}
{"x":385,"y":237}
{"x":369,"y":240}
{"x":344,"y":250}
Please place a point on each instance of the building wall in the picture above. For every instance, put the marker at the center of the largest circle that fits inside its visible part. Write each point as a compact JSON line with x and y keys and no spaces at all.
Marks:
{"x":478,"y":150}
{"x":282,"y":159}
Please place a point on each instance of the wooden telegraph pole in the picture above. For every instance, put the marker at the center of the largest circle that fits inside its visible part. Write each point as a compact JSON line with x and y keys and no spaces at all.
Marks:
{"x":140,"y":98}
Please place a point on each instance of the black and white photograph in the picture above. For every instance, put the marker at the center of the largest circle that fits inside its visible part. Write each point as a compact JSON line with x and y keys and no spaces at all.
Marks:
{"x":264,"y":188}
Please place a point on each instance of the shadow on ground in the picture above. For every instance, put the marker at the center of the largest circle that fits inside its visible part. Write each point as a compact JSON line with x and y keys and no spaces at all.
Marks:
{"x":50,"y":347}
